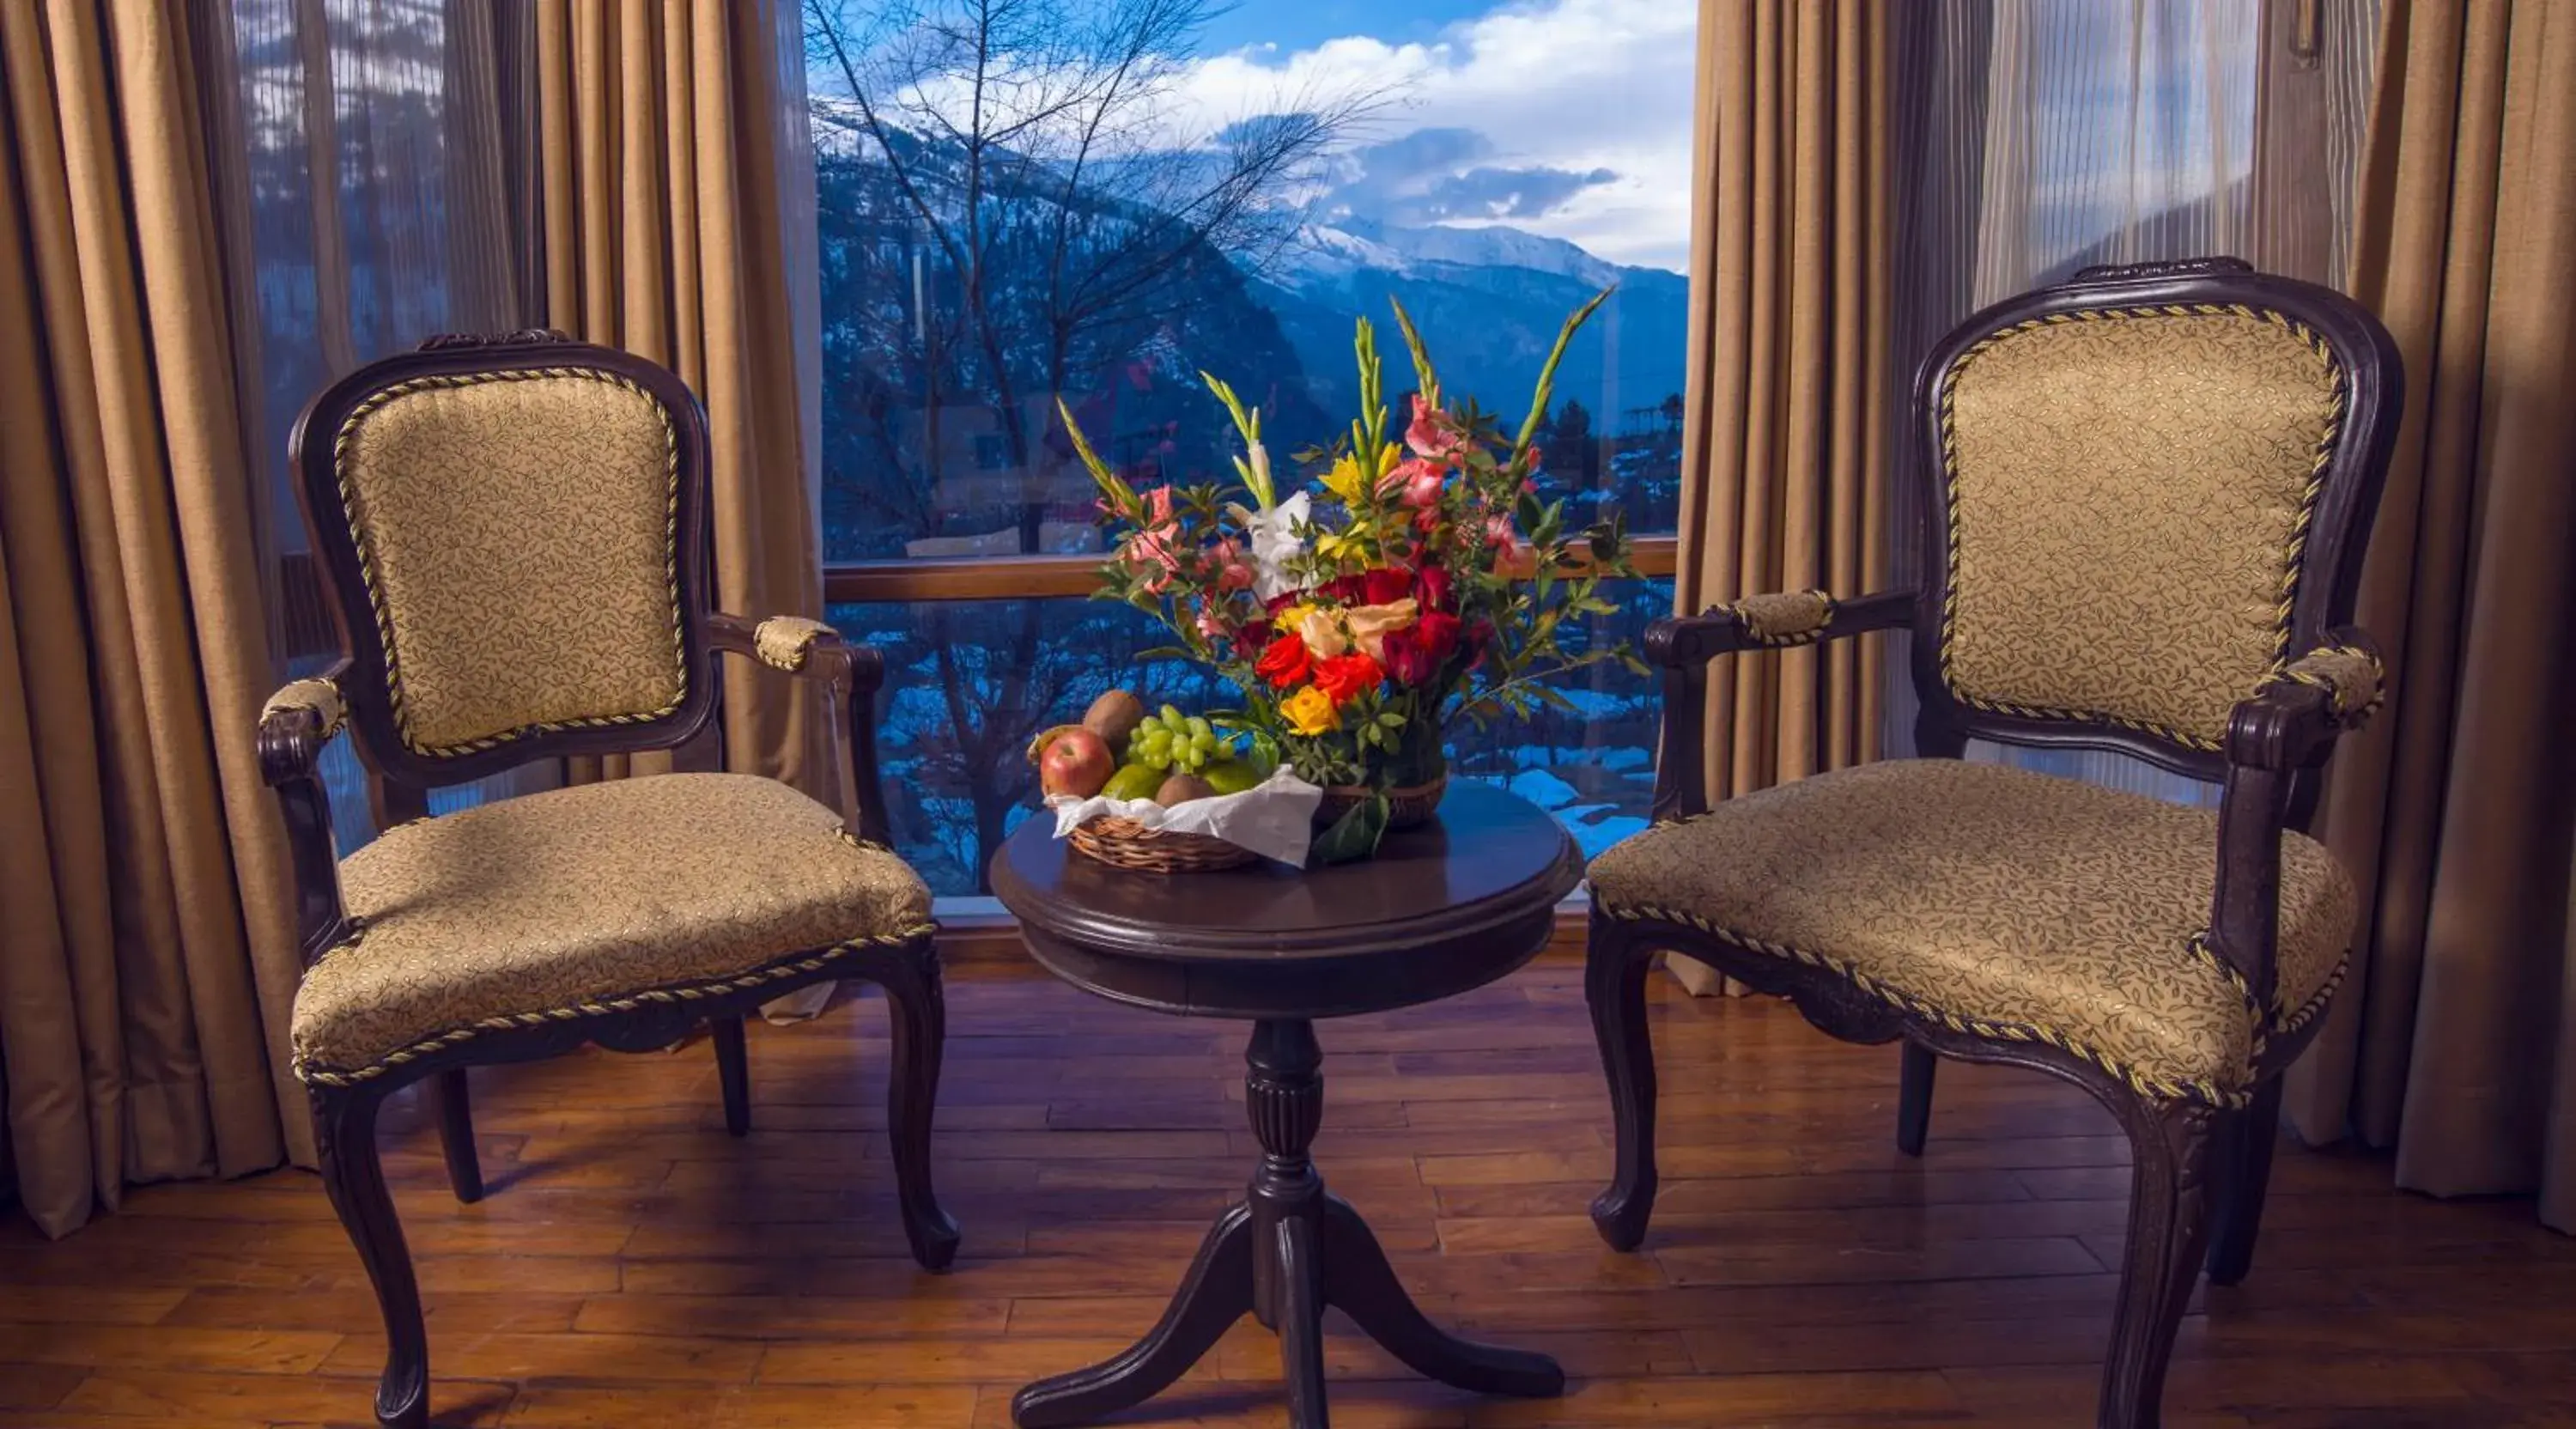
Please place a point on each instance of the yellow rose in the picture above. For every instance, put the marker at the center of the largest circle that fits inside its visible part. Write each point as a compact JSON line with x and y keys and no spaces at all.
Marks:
{"x":1369,"y":624}
{"x":1310,"y":711}
{"x":1322,"y":632}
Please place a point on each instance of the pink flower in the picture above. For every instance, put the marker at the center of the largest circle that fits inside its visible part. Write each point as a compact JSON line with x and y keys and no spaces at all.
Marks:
{"x":1422,"y":480}
{"x":1231,"y":572}
{"x":1153,"y":547}
{"x":1434,"y":434}
{"x":1210,"y":625}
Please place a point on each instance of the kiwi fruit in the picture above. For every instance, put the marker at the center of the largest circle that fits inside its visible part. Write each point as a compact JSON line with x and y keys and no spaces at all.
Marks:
{"x":1114,"y":716}
{"x":1182,"y":788}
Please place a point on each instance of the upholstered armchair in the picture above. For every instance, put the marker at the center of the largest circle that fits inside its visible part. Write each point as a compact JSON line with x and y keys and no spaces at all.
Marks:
{"x":2144,"y":498}
{"x":515,"y":531}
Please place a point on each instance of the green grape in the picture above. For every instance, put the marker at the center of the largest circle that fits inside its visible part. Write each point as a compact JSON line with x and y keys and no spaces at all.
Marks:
{"x":1199,"y":727}
{"x":1202,"y":742}
{"x":1172,"y":715}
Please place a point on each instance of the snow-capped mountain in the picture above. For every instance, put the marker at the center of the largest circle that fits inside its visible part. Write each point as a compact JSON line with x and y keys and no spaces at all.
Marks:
{"x":1330,"y":252}
{"x":1489,"y":300}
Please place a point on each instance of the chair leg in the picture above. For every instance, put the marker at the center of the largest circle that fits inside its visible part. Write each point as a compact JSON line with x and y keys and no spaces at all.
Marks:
{"x":2168,"y":1232}
{"x":733,"y":1069}
{"x":1614,"y":984}
{"x":1914,"y":1097}
{"x":2244,"y":1158}
{"x":456,"y":1134}
{"x":344,"y":1127}
{"x":917,"y":1013}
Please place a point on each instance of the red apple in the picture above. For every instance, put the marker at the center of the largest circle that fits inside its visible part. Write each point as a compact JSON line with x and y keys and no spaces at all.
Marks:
{"x":1076,"y":762}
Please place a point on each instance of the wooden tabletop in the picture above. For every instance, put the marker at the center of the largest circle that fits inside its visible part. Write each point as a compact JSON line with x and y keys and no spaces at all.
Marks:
{"x":1442,"y":908}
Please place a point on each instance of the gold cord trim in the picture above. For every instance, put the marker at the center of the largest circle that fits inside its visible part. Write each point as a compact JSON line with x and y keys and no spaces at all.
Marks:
{"x":517,"y":1021}
{"x":317,"y":694}
{"x":2319,"y":668}
{"x":1783,"y":619}
{"x":2292,"y":554}
{"x":384,"y":618}
{"x":2201,"y":1091}
{"x":783,"y":641}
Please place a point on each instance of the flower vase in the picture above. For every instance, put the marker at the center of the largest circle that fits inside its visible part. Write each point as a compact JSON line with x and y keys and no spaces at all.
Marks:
{"x":1412,"y":779}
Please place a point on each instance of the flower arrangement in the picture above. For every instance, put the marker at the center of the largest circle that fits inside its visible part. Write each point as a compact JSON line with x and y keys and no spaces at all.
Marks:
{"x":1417,"y":580}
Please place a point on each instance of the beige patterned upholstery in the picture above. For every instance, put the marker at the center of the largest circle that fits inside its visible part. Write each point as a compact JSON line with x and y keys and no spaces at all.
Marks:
{"x":320,"y":696}
{"x":2350,"y":677}
{"x":2127,"y":492}
{"x":583,"y":895}
{"x":1997,"y":896}
{"x":517,"y":530}
{"x":1784,"y":617}
{"x":784,"y":641}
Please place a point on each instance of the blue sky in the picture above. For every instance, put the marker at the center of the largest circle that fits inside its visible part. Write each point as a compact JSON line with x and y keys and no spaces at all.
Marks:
{"x":1570,"y":118}
{"x":1301,"y":24}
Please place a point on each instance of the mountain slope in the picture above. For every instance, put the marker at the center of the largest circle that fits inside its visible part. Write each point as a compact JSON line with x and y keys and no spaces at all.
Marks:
{"x":1489,"y":302}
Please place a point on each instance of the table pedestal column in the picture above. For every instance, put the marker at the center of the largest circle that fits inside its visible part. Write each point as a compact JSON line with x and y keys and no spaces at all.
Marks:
{"x":1286,"y":1252}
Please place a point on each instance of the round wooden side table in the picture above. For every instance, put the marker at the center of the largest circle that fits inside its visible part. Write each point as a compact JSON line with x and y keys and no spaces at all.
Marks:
{"x":1443,"y":908}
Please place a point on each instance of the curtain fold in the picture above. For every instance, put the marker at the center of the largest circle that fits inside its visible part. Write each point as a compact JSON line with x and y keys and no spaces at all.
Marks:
{"x":665,"y":171}
{"x":1787,"y":366}
{"x":1785,"y":420}
{"x":2456,"y":1044}
{"x":147,"y":951}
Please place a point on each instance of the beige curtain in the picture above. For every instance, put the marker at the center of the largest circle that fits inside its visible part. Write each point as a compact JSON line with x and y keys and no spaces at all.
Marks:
{"x":661,"y":156}
{"x":1785,"y":416}
{"x":2457,"y":1042}
{"x":1785,"y":419}
{"x":147,"y":950}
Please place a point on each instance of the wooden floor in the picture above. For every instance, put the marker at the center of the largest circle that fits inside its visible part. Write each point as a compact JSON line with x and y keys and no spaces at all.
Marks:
{"x":633,"y":1266}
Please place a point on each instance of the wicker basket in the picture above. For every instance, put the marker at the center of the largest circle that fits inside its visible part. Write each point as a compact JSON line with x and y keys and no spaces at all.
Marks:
{"x":1125,"y":843}
{"x":1407,"y":807}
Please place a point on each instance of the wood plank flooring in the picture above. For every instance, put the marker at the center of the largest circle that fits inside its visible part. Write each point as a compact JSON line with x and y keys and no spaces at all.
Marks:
{"x":633,"y":1266}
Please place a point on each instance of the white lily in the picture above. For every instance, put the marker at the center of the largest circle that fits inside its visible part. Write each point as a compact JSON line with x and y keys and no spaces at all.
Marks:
{"x":1272,"y":538}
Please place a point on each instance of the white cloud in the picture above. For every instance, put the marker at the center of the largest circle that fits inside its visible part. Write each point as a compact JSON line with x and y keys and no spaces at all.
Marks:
{"x":1576,"y":85}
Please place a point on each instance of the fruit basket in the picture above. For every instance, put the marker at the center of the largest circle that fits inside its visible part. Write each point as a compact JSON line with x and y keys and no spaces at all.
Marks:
{"x":1186,"y":797}
{"x":1128,"y":844}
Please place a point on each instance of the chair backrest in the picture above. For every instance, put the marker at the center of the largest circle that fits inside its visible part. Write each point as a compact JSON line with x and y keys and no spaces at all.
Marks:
{"x":2145,"y":492}
{"x":514,"y":529}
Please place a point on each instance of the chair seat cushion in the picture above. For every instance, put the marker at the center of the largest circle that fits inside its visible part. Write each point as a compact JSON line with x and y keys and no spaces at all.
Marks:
{"x":581,"y":897}
{"x":2002,"y":902}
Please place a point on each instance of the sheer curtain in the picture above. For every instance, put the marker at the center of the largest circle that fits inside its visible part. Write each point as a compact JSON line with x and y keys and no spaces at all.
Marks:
{"x":2056,"y":134}
{"x":381,"y":193}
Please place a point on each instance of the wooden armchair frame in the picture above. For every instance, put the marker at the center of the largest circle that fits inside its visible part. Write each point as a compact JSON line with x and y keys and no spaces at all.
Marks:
{"x":2189,"y":1151}
{"x":297,"y":726}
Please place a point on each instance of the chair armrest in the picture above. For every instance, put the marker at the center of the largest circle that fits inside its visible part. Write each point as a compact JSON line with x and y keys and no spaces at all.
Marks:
{"x":812,"y":650}
{"x":2284,"y":730}
{"x":293,"y":728}
{"x":1683,"y":645}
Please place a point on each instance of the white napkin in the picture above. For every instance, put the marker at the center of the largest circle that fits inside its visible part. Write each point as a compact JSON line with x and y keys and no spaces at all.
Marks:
{"x":1275,"y":818}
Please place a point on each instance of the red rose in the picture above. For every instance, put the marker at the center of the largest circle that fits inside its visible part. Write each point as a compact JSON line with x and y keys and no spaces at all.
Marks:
{"x":1385,"y":587}
{"x":1434,"y":583}
{"x":1284,"y":661}
{"x":1408,"y":661}
{"x":1254,"y":635}
{"x":1344,"y":676}
{"x":1438,"y":631}
{"x":1346,"y":589}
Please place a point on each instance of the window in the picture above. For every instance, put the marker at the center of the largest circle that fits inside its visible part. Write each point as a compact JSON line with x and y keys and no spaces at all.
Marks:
{"x":1096,"y":201}
{"x":381,"y":198}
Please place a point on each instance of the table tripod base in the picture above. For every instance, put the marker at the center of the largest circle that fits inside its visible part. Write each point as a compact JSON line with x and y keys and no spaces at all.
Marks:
{"x":1286,"y":1253}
